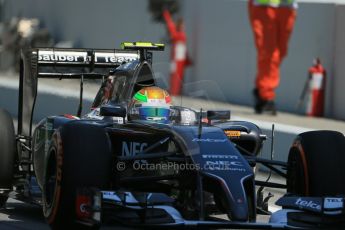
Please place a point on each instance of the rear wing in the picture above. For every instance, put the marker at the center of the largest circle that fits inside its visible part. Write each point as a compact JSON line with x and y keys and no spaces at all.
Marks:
{"x":69,"y":63}
{"x":74,"y":63}
{"x":61,"y":63}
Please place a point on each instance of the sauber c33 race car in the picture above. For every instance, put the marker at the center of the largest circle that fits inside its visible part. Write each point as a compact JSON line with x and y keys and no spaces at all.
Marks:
{"x":112,"y":166}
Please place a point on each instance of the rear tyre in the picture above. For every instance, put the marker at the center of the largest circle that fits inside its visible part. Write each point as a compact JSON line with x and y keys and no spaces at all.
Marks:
{"x":80,"y":157}
{"x":316,"y":164}
{"x":7,"y":150}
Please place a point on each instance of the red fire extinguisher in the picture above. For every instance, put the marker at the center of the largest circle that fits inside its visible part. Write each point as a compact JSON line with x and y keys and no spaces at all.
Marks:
{"x":314,"y":89}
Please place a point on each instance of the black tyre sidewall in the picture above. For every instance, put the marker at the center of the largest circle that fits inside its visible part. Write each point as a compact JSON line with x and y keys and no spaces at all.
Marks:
{"x":83,"y":160}
{"x":319,"y":170}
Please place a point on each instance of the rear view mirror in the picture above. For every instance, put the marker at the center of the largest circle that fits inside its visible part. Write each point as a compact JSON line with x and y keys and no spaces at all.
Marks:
{"x":112,"y":110}
{"x":218,"y":115}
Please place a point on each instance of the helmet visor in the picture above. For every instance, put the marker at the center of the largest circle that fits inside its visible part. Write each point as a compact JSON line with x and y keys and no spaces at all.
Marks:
{"x":154,"y":114}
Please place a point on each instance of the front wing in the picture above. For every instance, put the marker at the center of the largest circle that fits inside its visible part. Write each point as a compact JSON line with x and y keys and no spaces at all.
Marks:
{"x":156,"y":211}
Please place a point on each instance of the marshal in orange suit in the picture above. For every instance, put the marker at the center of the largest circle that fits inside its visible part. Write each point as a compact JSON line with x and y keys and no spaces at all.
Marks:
{"x":272,"y":22}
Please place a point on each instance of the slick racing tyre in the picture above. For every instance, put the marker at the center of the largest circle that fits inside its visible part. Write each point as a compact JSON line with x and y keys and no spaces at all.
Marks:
{"x":80,"y":157}
{"x":7,"y":150}
{"x":316,"y":164}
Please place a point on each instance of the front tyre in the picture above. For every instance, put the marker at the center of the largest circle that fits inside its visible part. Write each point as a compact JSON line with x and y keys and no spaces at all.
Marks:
{"x":79,"y":157}
{"x":316,"y":164}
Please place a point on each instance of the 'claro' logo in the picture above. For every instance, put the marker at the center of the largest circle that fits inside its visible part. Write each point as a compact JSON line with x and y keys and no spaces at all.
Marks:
{"x":210,"y":140}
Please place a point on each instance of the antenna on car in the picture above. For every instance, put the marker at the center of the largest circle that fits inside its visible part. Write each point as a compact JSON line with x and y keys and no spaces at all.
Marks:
{"x":200,"y":123}
{"x":272,"y":151}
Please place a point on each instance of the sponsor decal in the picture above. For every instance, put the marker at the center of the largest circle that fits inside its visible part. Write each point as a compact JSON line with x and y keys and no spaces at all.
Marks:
{"x":82,"y":57}
{"x":308,"y":204}
{"x":132,"y":148}
{"x":333,"y":205}
{"x":210,"y":140}
{"x":114,"y":57}
{"x":333,"y":202}
{"x":51,"y":56}
{"x":233,"y":133}
{"x":83,"y":203}
{"x":218,"y":156}
{"x":224,"y":165}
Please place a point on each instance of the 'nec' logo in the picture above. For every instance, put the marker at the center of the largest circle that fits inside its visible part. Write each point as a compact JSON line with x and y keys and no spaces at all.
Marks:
{"x":132,"y":148}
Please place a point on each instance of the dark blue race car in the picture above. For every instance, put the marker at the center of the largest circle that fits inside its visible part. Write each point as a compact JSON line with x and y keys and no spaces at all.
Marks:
{"x":159,"y":166}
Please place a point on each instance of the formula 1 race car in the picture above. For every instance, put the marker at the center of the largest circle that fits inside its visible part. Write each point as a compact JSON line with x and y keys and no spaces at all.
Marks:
{"x":155,"y":167}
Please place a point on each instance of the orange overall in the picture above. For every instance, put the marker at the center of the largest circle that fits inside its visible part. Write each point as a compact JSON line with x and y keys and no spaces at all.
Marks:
{"x":179,"y":58}
{"x":272,"y":27}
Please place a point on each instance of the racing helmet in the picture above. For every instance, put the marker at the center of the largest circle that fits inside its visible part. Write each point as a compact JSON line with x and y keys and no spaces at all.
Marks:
{"x":151,"y":104}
